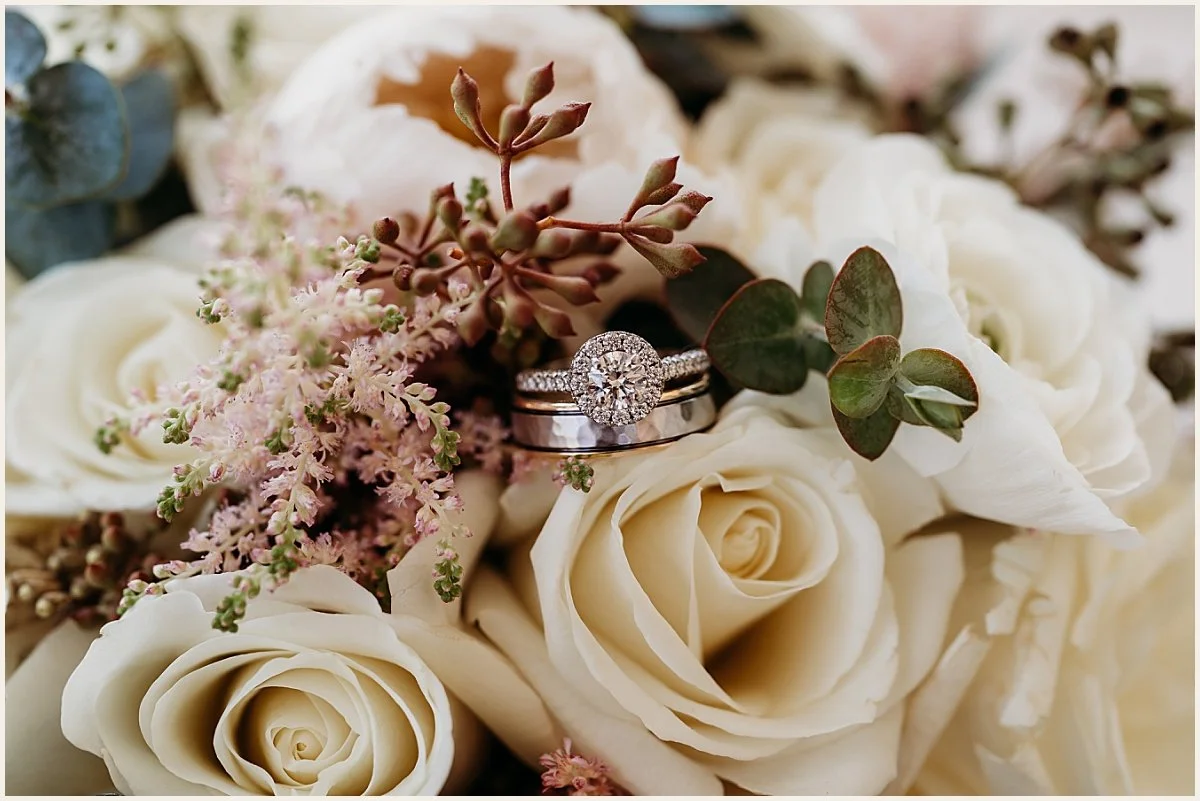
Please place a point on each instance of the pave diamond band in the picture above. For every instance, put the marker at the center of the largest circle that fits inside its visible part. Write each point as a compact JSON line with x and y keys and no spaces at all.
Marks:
{"x":616,"y":378}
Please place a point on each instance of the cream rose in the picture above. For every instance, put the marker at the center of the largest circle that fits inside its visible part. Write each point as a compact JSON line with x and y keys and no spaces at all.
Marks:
{"x":777,"y":144}
{"x":741,"y":606}
{"x":80,"y":340}
{"x":1087,"y":677}
{"x":315,"y":694}
{"x":1069,"y":415}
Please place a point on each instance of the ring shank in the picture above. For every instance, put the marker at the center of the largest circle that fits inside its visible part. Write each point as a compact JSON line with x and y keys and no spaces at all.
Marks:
{"x":578,"y":434}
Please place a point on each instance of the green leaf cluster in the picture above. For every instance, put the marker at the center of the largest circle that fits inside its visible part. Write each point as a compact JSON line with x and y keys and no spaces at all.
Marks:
{"x":763,"y":335}
{"x":75,"y":146}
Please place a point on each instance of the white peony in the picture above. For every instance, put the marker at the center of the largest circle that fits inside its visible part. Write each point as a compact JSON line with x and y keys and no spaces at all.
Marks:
{"x":82,"y":338}
{"x":1069,"y":416}
{"x":649,"y":613}
{"x":1086,"y":678}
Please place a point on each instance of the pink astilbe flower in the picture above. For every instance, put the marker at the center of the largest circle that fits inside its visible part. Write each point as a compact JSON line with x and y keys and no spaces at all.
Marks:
{"x":313,"y":391}
{"x":565,"y":773}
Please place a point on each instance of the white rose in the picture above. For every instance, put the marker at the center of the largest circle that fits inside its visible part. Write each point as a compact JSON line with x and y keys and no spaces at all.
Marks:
{"x":80,"y":339}
{"x":254,"y":49}
{"x":1069,"y":415}
{"x":315,"y":694}
{"x":1156,"y":45}
{"x":778,"y":144}
{"x":1087,"y":677}
{"x":739,"y":606}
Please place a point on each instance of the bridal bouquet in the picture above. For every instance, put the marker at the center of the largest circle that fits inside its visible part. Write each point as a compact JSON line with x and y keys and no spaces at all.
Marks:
{"x":416,"y":401}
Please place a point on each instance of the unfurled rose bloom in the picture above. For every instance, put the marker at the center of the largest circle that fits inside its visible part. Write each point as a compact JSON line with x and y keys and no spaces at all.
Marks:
{"x":375,"y":125}
{"x":1087,"y":677}
{"x":244,"y":51}
{"x":778,"y":144}
{"x":316,"y":694}
{"x":1069,"y":416}
{"x":740,"y":606}
{"x":81,"y":340}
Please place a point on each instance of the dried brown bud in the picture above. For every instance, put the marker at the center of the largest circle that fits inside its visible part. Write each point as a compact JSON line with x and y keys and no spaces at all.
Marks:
{"x":518,"y":230}
{"x":559,"y":200}
{"x":513,"y":121}
{"x":535,"y":126}
{"x":449,"y":213}
{"x":574,"y":289}
{"x":402,"y":276}
{"x":670,"y":260}
{"x":554,"y":322}
{"x":465,"y":92}
{"x":695,"y":201}
{"x":661,"y":195}
{"x":473,"y":322}
{"x":601,"y":272}
{"x":655,"y":233}
{"x":539,"y":84}
{"x":475,"y":239}
{"x":553,"y":243}
{"x":519,"y":308}
{"x":561,"y":123}
{"x":674,"y":217}
{"x":426,"y":281}
{"x":386,"y":230}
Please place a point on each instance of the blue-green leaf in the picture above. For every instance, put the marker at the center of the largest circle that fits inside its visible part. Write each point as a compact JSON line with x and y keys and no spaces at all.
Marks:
{"x":24,"y":48}
{"x":150,"y":118}
{"x":35,"y":240}
{"x":70,"y":143}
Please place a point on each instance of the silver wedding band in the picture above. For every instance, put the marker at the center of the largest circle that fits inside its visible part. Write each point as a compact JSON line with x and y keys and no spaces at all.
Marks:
{"x":568,"y":433}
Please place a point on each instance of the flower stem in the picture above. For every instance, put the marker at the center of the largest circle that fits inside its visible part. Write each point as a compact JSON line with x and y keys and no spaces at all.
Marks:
{"x":506,"y":180}
{"x":578,"y":225}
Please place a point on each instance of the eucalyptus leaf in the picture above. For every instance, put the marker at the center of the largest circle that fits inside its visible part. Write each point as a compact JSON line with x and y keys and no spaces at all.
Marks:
{"x":150,"y":116}
{"x":24,"y":48}
{"x":758,"y":338}
{"x":860,"y":380}
{"x":70,"y":143}
{"x":35,"y":240}
{"x":864,"y":302}
{"x":814,"y":291}
{"x":870,"y":436}
{"x":938,"y":395}
{"x":930,"y":367}
{"x":695,"y":298}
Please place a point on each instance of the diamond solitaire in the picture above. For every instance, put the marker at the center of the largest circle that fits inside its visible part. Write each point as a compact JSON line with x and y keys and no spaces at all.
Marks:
{"x":616,"y":378}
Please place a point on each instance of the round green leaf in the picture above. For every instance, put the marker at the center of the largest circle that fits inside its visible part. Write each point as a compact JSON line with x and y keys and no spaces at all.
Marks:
{"x":864,"y":302}
{"x":70,"y":143}
{"x":695,"y":298}
{"x":757,"y":339}
{"x":930,"y":367}
{"x":815,"y":289}
{"x":150,"y":115}
{"x":870,"y":436}
{"x":35,"y":240}
{"x":860,"y":380}
{"x":24,"y":48}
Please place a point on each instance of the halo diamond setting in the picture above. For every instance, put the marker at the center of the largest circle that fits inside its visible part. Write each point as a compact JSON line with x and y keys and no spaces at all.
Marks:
{"x":616,"y":378}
